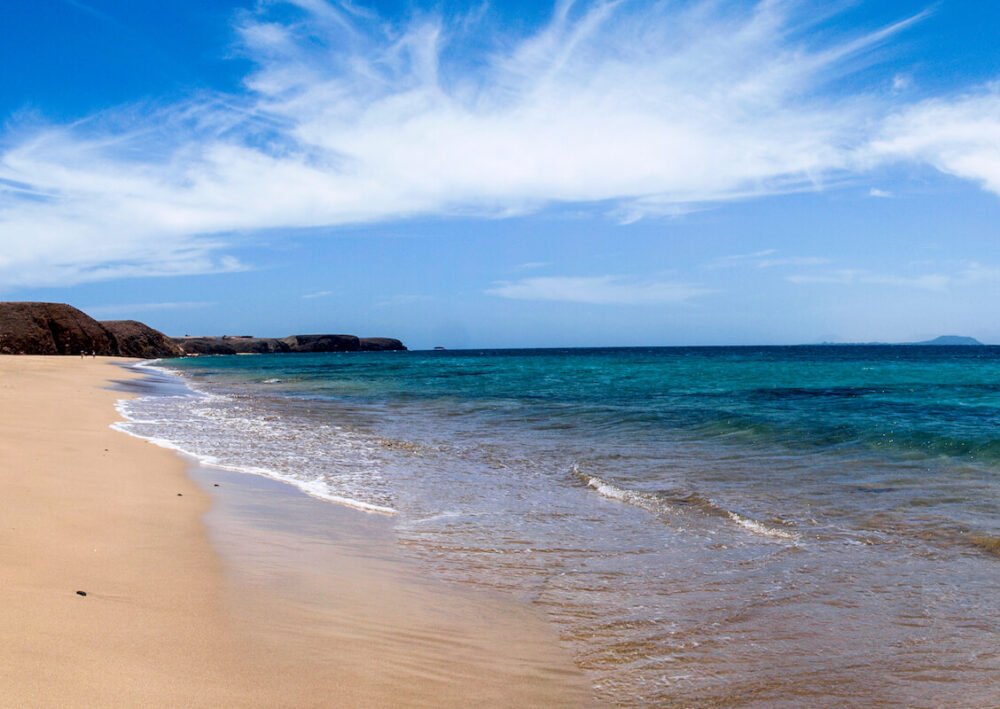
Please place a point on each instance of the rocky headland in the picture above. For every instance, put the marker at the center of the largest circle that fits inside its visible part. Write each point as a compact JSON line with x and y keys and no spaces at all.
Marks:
{"x":140,"y":340}
{"x":61,"y":329}
{"x":236,"y":344}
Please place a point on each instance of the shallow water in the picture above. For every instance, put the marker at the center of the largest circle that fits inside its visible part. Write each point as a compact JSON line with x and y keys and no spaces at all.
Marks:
{"x":706,"y":526}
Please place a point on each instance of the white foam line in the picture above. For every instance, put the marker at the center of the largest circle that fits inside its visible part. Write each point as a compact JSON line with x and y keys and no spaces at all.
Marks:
{"x":311,"y":489}
{"x":762,"y":529}
{"x":614,"y":492}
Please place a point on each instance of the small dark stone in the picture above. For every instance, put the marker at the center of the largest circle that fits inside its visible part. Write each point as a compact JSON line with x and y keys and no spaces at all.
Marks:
{"x":81,"y":593}
{"x":179,"y":495}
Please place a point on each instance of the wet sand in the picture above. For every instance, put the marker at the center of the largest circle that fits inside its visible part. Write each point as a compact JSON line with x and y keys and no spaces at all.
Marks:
{"x":245,"y":594}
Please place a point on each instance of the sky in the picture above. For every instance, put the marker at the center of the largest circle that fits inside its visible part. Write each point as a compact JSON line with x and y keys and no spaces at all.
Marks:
{"x":507,"y":174}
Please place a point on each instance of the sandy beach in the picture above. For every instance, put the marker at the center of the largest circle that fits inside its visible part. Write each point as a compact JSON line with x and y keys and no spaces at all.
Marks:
{"x":249,"y":595}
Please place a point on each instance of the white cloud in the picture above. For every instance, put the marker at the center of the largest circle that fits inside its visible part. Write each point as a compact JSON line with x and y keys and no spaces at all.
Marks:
{"x":765,"y":259}
{"x":127,"y":310}
{"x":639,"y":108}
{"x":531,"y":265}
{"x":973,"y":272}
{"x":925,"y":281}
{"x":598,"y":290}
{"x":318,"y":294}
{"x":792,"y":261}
{"x":881,"y":194}
{"x":902,"y":82}
{"x":959,"y":136}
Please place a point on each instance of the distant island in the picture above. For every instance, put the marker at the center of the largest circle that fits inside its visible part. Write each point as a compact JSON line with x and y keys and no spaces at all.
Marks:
{"x":60,"y":329}
{"x":942,"y":341}
{"x":950,"y":340}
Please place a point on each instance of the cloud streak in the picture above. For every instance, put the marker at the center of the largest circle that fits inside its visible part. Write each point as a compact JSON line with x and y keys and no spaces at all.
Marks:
{"x":955,"y":275}
{"x":765,"y":258}
{"x":127,"y":310}
{"x":636,"y":108}
{"x":958,"y":136}
{"x":598,"y":290}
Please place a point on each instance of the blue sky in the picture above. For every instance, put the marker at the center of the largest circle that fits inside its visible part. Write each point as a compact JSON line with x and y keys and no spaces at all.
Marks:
{"x":507,"y":174}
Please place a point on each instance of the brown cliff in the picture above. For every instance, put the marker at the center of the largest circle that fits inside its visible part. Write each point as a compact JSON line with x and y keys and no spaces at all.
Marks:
{"x":51,"y":329}
{"x":60,"y":329}
{"x":136,"y":339}
{"x":294,"y":343}
{"x":381,"y":344}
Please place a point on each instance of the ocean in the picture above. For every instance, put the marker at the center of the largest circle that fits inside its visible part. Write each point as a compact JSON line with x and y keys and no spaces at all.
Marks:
{"x":710,"y":526}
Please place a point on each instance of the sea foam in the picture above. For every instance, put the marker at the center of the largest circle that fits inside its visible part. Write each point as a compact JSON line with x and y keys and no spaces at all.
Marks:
{"x":323,"y":461}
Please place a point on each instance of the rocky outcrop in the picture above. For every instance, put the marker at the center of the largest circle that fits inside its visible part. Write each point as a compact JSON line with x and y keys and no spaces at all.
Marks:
{"x":51,"y":329}
{"x":60,"y":329}
{"x":230,"y":344}
{"x":136,"y":339}
{"x":381,"y":344}
{"x":323,"y":343}
{"x":204,"y":346}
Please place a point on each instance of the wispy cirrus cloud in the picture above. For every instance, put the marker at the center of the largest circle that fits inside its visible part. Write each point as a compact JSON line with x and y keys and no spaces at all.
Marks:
{"x":637,"y":108}
{"x":927,"y":281}
{"x":767,"y":258}
{"x":598,"y":290}
{"x":951,"y":275}
{"x":531,"y":265}
{"x":958,"y":135}
{"x":129,"y":309}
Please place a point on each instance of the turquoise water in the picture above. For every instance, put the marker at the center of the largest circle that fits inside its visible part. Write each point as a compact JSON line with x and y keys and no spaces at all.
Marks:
{"x":706,"y":526}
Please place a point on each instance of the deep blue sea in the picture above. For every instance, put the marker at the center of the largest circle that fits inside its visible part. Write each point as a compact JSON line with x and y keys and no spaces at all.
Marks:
{"x":732,"y":526}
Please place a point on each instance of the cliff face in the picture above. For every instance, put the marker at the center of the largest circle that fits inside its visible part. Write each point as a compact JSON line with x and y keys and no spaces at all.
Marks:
{"x":323,"y":343}
{"x":381,"y":344}
{"x":60,"y":329}
{"x":293,"y":343}
{"x":136,"y":339}
{"x":51,"y":328}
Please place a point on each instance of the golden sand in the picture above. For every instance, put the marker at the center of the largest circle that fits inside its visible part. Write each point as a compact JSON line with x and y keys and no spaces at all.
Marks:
{"x":285,"y":617}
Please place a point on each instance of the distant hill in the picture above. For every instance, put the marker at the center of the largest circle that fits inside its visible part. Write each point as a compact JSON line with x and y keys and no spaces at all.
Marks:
{"x":60,"y":329}
{"x":943,"y":340}
{"x":949,"y":340}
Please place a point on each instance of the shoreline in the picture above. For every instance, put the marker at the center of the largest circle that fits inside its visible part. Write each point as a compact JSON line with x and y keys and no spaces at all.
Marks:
{"x":241,"y":595}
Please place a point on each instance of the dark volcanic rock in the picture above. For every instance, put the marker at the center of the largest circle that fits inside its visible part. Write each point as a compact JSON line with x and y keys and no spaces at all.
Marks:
{"x":56,"y":328}
{"x":381,"y":344}
{"x":204,"y":346}
{"x":323,"y":343}
{"x":136,"y":339}
{"x":229,"y":344}
{"x":259,"y":345}
{"x":51,"y":328}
